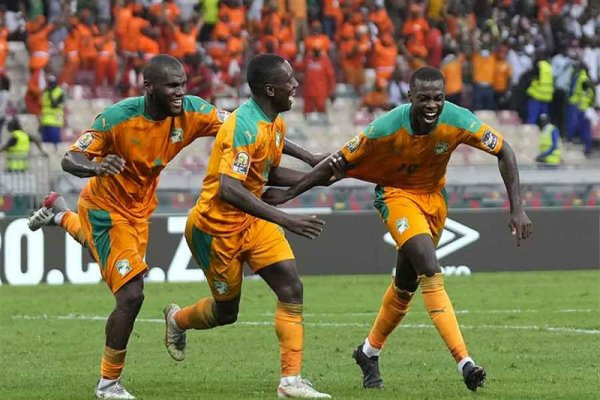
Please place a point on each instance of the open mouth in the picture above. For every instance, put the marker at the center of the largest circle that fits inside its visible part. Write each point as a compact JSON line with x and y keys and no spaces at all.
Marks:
{"x":176,"y":103}
{"x":292,"y":95}
{"x":430,"y":116}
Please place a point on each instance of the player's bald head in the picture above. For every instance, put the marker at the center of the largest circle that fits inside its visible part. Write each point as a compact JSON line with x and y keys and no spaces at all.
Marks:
{"x":425,"y":74}
{"x":160,"y":65}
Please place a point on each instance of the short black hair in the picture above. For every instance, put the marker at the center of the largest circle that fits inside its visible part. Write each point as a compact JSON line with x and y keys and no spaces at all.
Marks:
{"x":155,"y":67}
{"x":428,"y":74}
{"x":260,"y":71}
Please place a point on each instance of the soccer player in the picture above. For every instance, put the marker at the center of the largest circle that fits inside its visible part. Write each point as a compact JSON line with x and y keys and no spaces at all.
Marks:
{"x":405,"y":152}
{"x":124,"y":152}
{"x":230,"y":225}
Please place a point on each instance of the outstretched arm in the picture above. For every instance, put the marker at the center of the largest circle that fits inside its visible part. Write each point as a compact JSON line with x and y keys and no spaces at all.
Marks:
{"x":519,"y":224}
{"x":292,"y":149}
{"x":322,"y":173}
{"x":233,"y":192}
{"x":282,"y":176}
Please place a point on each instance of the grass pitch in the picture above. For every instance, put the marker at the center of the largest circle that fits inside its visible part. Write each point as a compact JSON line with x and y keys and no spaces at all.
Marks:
{"x":536,"y":333}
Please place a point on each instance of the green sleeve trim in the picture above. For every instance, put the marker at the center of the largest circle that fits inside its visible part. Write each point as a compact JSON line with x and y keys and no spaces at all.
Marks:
{"x":389,"y":123}
{"x":117,"y":113}
{"x":459,"y":117}
{"x":197,"y":104}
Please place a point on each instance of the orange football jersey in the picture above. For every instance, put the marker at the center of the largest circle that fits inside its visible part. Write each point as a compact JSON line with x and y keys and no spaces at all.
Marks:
{"x":146,"y":146}
{"x":247,"y":146}
{"x":388,"y":153}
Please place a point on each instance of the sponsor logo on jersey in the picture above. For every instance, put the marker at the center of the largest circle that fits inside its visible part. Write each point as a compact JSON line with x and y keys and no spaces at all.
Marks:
{"x":353,"y":144}
{"x":241,"y":163}
{"x":123,"y":267}
{"x":402,"y":224}
{"x":176,"y":135}
{"x":441,"y":147}
{"x":489,"y":139}
{"x":85,"y":141}
{"x":221,"y":287}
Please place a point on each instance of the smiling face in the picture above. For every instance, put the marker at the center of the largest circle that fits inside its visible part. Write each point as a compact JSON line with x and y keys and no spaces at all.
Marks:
{"x":427,"y":99}
{"x":167,"y":88}
{"x":282,"y":88}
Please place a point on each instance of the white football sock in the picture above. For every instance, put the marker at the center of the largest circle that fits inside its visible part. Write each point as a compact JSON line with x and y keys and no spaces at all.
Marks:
{"x":58,"y":217}
{"x":288,"y":380}
{"x":369,"y":350}
{"x":105,"y":382}
{"x":461,"y":364}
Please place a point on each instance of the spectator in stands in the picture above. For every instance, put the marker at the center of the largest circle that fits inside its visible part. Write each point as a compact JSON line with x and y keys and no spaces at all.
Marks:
{"x":581,"y":99}
{"x":3,"y":44}
{"x":70,"y":53}
{"x":319,"y":81}
{"x":452,"y":69}
{"x":501,"y":83}
{"x":4,"y":100}
{"x":352,"y":55}
{"x":316,"y":38}
{"x":383,"y":57}
{"x":399,"y":86}
{"x":184,"y":36}
{"x":35,"y":85}
{"x":550,"y":144}
{"x":87,"y":30}
{"x":562,"y":69}
{"x":377,"y":99}
{"x":52,"y":113}
{"x":18,"y":147}
{"x":210,"y":14}
{"x":483,"y":67}
{"x":435,"y":46}
{"x":38,"y":43}
{"x":200,"y":77}
{"x":106,"y":62}
{"x":541,"y":89}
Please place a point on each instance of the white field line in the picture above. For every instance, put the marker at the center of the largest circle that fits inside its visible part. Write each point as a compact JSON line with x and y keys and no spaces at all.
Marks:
{"x":515,"y":311}
{"x":559,"y":329}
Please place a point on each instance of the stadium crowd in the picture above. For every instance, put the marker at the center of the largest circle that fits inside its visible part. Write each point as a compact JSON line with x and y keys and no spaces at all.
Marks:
{"x":532,"y":56}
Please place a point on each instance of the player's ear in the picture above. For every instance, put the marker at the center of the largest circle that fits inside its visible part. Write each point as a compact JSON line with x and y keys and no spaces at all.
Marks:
{"x":269,"y":90}
{"x":147,"y":86}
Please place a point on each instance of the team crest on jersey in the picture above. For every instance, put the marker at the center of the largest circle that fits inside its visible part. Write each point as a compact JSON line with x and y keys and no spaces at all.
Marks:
{"x":123,"y":267}
{"x":277,"y":139}
{"x":402,"y":224}
{"x":353,"y":144}
{"x":489,"y":139}
{"x":85,"y":141}
{"x":441,"y":147}
{"x":241,"y":162}
{"x":221,"y":287}
{"x":176,"y":135}
{"x":222,"y":115}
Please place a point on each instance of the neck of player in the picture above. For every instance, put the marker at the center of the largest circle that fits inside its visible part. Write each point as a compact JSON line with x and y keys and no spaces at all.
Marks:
{"x":419,"y":127}
{"x":266,"y":106}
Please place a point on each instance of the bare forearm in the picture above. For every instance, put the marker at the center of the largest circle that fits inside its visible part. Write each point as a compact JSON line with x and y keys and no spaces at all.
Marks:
{"x":321,"y":173}
{"x":282,"y":176}
{"x":244,"y":200}
{"x":292,"y":149}
{"x":507,"y":164}
{"x":78,"y":164}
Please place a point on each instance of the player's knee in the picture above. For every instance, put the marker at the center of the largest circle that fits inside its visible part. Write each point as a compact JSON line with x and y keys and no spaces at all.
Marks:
{"x":410,"y":285}
{"x":291,"y":291}
{"x":131,"y":300}
{"x":226,"y":317}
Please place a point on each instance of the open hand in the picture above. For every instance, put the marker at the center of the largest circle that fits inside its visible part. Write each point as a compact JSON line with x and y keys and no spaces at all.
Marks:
{"x":520,"y":226}
{"x":304,"y":225}
{"x":112,"y":164}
